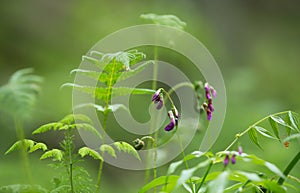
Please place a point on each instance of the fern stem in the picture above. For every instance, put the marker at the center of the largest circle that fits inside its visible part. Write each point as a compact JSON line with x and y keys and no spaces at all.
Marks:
{"x":237,"y":136}
{"x":289,"y":168}
{"x":99,"y":176}
{"x":205,"y":175}
{"x":69,"y":143}
{"x":21,"y":136}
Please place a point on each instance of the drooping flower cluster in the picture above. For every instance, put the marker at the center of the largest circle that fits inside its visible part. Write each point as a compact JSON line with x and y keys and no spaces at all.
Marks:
{"x":172,"y":114}
{"x":233,"y":157}
{"x":158,"y":98}
{"x":209,"y":93}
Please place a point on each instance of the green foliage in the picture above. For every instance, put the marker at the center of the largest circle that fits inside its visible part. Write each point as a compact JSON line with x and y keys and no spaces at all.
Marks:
{"x":88,"y":151}
{"x":28,"y":144}
{"x":107,"y":148}
{"x":162,"y":180}
{"x":68,"y":123}
{"x":168,"y":20}
{"x":56,"y":154}
{"x":19,"y":95}
{"x":127,"y":148}
{"x":23,"y":188}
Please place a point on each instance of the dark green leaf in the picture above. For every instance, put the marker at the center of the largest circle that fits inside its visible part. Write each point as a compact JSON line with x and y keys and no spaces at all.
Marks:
{"x":274,"y":126}
{"x":253,"y":137}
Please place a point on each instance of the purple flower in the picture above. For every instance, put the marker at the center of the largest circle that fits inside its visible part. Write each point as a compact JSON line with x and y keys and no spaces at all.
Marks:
{"x":158,"y":98}
{"x":209,"y":92}
{"x":233,"y":159}
{"x":171,"y":125}
{"x":226,"y":160}
{"x":176,"y":114}
{"x":240,"y":150}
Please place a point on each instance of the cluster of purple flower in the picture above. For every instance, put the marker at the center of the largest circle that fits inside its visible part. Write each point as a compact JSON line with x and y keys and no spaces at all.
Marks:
{"x":173,"y":113}
{"x":233,"y":160}
{"x":209,"y":92}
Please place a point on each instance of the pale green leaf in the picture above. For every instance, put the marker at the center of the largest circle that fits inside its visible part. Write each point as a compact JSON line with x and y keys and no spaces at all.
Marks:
{"x":23,"y":188}
{"x":280,"y":121}
{"x":291,"y":137}
{"x":263,"y":132}
{"x":219,"y":184}
{"x":56,"y":154}
{"x":162,"y":180}
{"x":84,"y":151}
{"x":48,"y":127}
{"x":107,"y":148}
{"x":127,"y":148}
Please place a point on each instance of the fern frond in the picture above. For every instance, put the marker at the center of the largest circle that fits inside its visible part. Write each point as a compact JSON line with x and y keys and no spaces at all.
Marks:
{"x":72,"y":118}
{"x":23,"y":188}
{"x":127,"y":148}
{"x":107,"y":148}
{"x":83,"y":126}
{"x":84,"y":151}
{"x":25,"y":143}
{"x":19,"y":95}
{"x":38,"y":146}
{"x":168,"y":20}
{"x":56,"y":154}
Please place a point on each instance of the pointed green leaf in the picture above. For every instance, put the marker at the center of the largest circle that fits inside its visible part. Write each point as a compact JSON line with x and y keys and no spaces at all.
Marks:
{"x":82,"y":126}
{"x":107,"y":148}
{"x":253,"y":137}
{"x":73,"y":118}
{"x":111,"y":108}
{"x":127,"y":148}
{"x":293,"y":120}
{"x":84,"y":151}
{"x":171,"y":181}
{"x":56,"y":154}
{"x":280,"y":121}
{"x":274,"y":126}
{"x":168,"y":20}
{"x":263,"y":132}
{"x":89,"y":73}
{"x":47,"y":127}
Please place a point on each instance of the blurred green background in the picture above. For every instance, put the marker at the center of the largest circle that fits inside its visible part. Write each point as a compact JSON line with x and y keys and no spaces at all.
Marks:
{"x":256,"y":44}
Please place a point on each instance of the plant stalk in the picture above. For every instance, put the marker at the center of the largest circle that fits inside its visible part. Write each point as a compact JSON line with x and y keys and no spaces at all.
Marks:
{"x":289,"y":168}
{"x":205,"y":175}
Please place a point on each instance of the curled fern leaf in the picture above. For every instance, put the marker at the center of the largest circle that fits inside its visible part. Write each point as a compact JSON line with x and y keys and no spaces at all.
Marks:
{"x":72,"y":118}
{"x":19,"y":95}
{"x":47,"y":127}
{"x":127,"y":148}
{"x":107,"y":148}
{"x":26,"y":143}
{"x":56,"y":154}
{"x":38,"y":146}
{"x":84,"y":151}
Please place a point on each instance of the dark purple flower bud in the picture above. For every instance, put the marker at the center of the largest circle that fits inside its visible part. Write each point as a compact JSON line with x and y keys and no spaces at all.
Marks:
{"x":156,"y":96}
{"x":233,"y":159}
{"x":160,"y":103}
{"x":209,"y":115}
{"x":240,"y":150}
{"x":209,"y":106}
{"x":226,"y":160}
{"x":213,"y":91}
{"x":171,"y":125}
{"x":176,"y":114}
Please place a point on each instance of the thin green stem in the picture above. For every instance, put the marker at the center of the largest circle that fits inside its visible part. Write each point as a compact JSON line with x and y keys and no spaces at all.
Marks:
{"x":237,"y":136}
{"x":179,"y":85}
{"x":99,"y":176}
{"x":70,"y":148}
{"x":205,"y":175}
{"x":21,"y":136}
{"x":289,"y":168}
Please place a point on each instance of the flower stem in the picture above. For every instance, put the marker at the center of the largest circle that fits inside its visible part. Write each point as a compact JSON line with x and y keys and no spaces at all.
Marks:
{"x":205,"y":175}
{"x":289,"y":168}
{"x":237,"y":136}
{"x":179,"y":85}
{"x":21,"y":136}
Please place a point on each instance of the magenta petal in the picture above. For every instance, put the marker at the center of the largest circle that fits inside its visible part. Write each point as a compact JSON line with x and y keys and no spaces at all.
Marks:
{"x":233,"y":159}
{"x":160,"y":104}
{"x":226,"y":160}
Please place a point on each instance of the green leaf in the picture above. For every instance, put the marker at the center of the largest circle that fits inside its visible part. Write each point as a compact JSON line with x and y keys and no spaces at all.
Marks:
{"x":25,"y":143}
{"x":171,"y":181}
{"x":38,"y":146}
{"x":127,"y":148}
{"x":107,"y":148}
{"x":188,"y":173}
{"x":88,"y":151}
{"x":23,"y":188}
{"x":111,"y":108}
{"x":219,"y":184}
{"x":274,"y":126}
{"x":233,"y":187}
{"x":75,"y":118}
{"x":272,"y":186}
{"x":293,"y":120}
{"x":263,"y":132}
{"x":82,"y":126}
{"x":122,"y":91}
{"x":56,"y":154}
{"x":89,"y":73}
{"x":291,"y":137}
{"x":280,"y":121}
{"x":249,"y":176}
{"x":168,"y":20}
{"x":130,"y":73}
{"x":253,"y":137}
